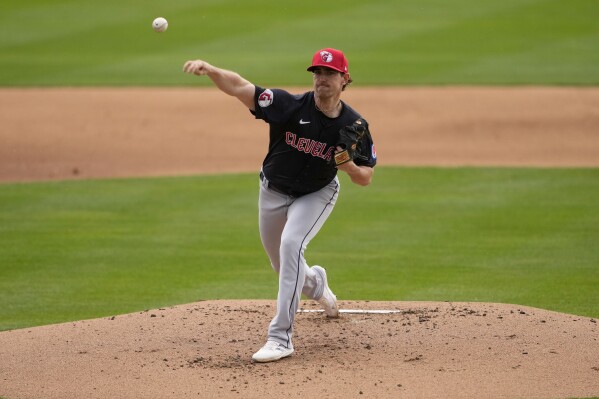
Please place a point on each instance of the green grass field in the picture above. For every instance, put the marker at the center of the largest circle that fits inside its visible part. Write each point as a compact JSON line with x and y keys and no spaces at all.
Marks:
{"x":84,"y":42}
{"x":84,"y":249}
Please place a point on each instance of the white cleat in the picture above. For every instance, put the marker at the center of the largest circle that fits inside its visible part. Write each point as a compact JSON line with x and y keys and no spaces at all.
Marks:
{"x":271,"y":352}
{"x":328,"y":300}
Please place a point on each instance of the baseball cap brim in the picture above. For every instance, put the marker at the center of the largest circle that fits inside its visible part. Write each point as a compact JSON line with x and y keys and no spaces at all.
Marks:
{"x":313,"y":67}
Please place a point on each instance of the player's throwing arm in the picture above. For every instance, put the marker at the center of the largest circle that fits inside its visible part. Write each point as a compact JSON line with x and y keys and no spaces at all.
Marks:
{"x":197,"y":67}
{"x":227,"y":81}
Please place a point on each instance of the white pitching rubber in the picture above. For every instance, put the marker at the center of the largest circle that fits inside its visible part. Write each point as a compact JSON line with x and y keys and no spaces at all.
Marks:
{"x":379,"y":311}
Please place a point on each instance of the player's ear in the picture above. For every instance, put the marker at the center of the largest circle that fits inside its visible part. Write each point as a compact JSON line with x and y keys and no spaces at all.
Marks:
{"x":346,"y":81}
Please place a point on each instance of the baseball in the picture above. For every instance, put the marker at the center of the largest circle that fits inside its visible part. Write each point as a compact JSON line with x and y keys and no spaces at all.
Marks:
{"x":160,"y":24}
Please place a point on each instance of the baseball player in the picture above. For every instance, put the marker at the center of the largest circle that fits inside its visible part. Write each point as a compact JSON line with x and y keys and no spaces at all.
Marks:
{"x":312,"y":136}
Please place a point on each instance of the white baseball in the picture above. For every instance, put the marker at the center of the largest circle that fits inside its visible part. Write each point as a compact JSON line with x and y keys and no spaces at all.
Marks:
{"x":160,"y":24}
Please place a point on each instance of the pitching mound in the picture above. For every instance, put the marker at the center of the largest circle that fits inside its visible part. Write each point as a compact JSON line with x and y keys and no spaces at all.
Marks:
{"x":427,"y":350}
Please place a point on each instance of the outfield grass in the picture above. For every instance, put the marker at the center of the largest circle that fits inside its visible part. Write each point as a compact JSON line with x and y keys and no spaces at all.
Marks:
{"x":82,"y":249}
{"x":84,"y":42}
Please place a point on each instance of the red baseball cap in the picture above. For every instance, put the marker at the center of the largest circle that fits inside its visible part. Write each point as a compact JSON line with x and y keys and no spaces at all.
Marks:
{"x":330,"y":58}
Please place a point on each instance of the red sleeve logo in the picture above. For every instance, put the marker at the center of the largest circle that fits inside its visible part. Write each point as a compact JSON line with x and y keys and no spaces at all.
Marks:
{"x":266,"y":98}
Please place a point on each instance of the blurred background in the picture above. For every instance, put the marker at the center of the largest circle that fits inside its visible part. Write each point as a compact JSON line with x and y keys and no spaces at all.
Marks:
{"x":388,"y":42}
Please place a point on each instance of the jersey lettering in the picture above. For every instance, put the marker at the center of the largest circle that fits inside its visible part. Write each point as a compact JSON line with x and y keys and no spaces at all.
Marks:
{"x":329,"y":154}
{"x":308,"y":146}
{"x":290,"y":139}
{"x":301,"y":144}
{"x":318,"y":148}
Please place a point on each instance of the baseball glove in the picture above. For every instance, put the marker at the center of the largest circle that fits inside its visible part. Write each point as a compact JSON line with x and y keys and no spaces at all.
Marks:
{"x":348,"y":141}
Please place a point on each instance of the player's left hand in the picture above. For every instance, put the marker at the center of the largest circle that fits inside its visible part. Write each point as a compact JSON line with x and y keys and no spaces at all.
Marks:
{"x":345,"y":166}
{"x":348,"y":141}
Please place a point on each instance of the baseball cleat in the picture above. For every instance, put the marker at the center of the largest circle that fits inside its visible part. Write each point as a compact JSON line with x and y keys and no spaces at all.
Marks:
{"x":271,"y":352}
{"x":328,"y":300}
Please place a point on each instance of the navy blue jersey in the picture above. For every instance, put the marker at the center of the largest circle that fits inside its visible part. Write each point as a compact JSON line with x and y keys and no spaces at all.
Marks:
{"x":302,"y":140}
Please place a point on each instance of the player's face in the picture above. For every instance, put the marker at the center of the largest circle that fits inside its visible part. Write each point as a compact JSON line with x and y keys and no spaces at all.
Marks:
{"x":328,"y":81}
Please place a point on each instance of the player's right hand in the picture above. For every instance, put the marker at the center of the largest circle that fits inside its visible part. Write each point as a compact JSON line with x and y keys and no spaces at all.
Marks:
{"x":197,"y":67}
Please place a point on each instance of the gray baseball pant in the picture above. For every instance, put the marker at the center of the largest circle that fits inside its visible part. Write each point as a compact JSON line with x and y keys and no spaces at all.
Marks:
{"x":287,"y":225}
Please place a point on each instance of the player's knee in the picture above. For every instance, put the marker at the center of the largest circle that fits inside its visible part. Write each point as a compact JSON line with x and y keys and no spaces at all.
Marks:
{"x":290,"y":246}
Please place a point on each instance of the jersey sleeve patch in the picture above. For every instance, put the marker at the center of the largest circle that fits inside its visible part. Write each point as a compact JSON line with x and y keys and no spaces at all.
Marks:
{"x":265,"y":98}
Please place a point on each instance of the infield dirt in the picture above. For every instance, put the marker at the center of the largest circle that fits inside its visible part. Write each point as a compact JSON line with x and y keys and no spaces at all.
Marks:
{"x":92,"y":133}
{"x":428,"y":350}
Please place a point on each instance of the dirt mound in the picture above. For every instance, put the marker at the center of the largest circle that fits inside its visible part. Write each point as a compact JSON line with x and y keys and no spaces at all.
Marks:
{"x":428,"y":349}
